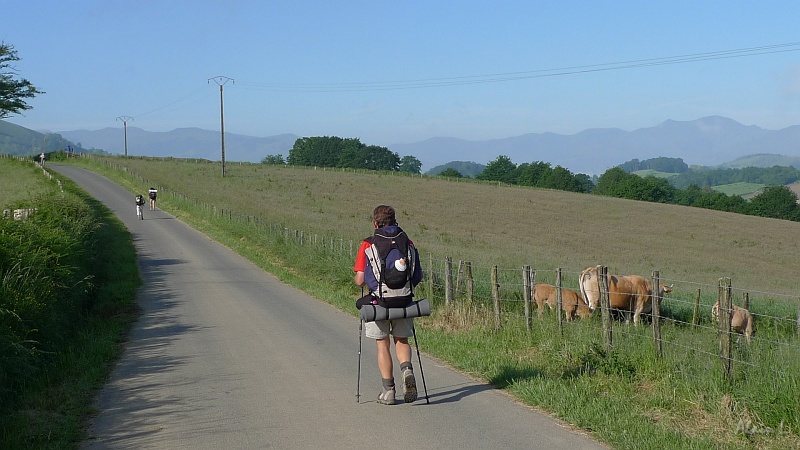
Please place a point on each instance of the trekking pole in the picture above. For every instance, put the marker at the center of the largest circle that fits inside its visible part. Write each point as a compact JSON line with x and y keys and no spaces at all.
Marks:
{"x":358,"y":382}
{"x":419,"y":359}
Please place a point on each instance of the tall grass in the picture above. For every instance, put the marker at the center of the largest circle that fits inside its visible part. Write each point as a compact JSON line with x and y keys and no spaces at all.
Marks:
{"x":625,"y":395}
{"x":63,"y":309}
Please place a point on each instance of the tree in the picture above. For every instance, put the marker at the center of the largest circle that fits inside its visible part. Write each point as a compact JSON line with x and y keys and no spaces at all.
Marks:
{"x":775,"y":201}
{"x":501,"y":169}
{"x":561,"y":179}
{"x":13,"y":93}
{"x":450,"y":173}
{"x":410,"y":164}
{"x":532,"y":174}
{"x":323,"y":151}
{"x":370,"y":157}
{"x":276,"y":160}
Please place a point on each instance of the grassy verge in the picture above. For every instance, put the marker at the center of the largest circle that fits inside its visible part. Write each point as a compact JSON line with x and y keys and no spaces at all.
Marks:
{"x":69,"y":280}
{"x":626,"y":396}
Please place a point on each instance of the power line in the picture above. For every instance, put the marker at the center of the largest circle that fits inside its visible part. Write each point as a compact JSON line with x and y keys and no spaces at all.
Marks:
{"x":176,"y":102}
{"x":516,"y":76}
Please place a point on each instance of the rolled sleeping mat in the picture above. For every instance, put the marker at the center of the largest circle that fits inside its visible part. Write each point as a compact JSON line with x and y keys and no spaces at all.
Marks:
{"x":371,"y":313}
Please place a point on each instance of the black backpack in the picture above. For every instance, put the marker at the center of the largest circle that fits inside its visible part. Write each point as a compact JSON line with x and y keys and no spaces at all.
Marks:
{"x":392,"y":260}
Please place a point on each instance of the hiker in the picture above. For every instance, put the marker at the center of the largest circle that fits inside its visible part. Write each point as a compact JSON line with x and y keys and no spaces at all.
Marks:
{"x":41,"y":159}
{"x":367,"y":272}
{"x":152,"y":193}
{"x":139,"y":203}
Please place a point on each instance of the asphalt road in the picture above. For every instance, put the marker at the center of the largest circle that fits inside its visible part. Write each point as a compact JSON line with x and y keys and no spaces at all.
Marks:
{"x":225,"y":356}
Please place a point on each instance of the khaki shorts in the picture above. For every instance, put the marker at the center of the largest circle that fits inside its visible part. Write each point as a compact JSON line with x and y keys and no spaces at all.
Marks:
{"x":380,"y":329}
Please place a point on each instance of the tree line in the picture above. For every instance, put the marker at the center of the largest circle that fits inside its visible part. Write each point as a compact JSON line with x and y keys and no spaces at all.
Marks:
{"x":777,"y":201}
{"x":333,"y":151}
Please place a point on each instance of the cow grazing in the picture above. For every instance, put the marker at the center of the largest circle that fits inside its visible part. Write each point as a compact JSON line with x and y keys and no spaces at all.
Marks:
{"x":626,"y":293}
{"x":741,"y":320}
{"x":571,"y":301}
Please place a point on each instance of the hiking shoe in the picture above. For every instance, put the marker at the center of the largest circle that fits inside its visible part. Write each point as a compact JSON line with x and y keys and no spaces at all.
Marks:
{"x":409,"y":386}
{"x":387,"y":397}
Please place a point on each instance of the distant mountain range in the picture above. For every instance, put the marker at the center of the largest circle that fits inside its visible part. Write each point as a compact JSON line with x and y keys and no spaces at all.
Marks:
{"x":709,"y":141}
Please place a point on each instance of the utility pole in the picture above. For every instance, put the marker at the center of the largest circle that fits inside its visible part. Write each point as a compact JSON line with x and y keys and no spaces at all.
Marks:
{"x":125,"y":120}
{"x":220,"y":80}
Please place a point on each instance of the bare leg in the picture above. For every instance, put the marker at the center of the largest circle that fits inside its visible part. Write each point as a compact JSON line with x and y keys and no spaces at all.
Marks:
{"x":385,"y":357}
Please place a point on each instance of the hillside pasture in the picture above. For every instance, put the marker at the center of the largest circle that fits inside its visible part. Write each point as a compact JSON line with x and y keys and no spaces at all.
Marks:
{"x":492,"y":224}
{"x":680,"y":398}
{"x":655,"y":173}
{"x":746,"y":190}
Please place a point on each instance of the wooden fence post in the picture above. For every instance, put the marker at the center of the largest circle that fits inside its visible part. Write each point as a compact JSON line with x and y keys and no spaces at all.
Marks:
{"x":470,"y":282}
{"x":725,"y":339}
{"x":496,"y":297}
{"x":448,"y":280}
{"x":657,"y":312}
{"x":559,"y":302}
{"x":605,"y":305}
{"x":459,"y":280}
{"x":746,"y":301}
{"x":696,"y":314}
{"x":431,"y":275}
{"x":526,"y":294}
{"x":533,"y":283}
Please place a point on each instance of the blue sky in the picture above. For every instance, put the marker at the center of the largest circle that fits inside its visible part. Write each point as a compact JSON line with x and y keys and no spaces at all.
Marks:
{"x":400,"y":72}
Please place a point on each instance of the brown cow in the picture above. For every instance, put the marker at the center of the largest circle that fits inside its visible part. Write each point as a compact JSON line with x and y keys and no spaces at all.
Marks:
{"x":571,"y":301}
{"x":626,"y":293}
{"x":741,"y":320}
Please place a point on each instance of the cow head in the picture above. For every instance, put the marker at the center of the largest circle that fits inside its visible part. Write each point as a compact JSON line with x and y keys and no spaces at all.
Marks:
{"x":667,"y":289}
{"x":590,"y":287}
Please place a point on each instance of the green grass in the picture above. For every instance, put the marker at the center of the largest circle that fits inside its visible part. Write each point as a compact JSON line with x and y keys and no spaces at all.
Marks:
{"x":19,"y":181}
{"x":655,"y":173}
{"x":625,"y":396}
{"x":74,"y":308}
{"x":742,"y":189}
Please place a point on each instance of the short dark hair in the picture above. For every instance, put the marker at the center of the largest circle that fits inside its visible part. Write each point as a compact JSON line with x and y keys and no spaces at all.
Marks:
{"x":384,"y":216}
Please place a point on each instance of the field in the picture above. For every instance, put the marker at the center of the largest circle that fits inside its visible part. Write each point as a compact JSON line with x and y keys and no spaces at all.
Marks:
{"x":746,"y":190}
{"x":655,"y":173}
{"x":502,"y":225}
{"x":625,"y":395}
{"x":16,"y":184}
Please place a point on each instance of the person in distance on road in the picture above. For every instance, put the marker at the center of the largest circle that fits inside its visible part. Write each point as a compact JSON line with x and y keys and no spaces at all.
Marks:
{"x":152,"y":194}
{"x":139,"y":204}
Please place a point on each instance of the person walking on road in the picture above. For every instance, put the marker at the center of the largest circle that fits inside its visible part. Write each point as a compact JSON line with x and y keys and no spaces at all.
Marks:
{"x":139,"y":206}
{"x":368,"y":271}
{"x":152,"y":194}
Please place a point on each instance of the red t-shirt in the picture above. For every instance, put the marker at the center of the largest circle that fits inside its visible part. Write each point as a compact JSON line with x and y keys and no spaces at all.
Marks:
{"x":361,"y":257}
